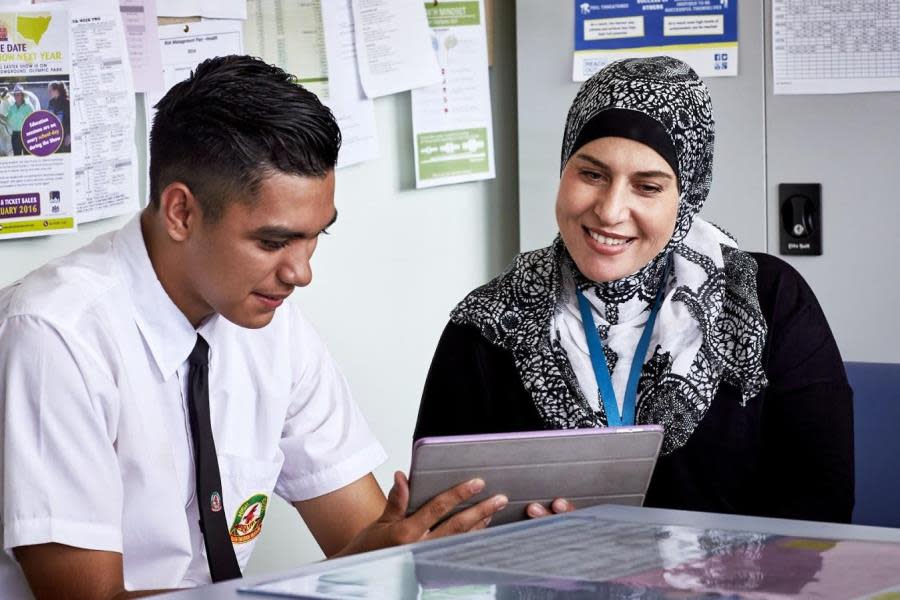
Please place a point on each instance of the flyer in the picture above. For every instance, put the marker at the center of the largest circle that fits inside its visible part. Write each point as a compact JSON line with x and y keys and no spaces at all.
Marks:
{"x":702,"y":33}
{"x":36,"y":176}
{"x":453,"y":135}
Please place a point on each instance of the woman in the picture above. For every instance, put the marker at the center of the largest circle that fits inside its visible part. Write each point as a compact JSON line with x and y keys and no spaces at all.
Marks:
{"x":59,"y":105}
{"x":738,"y":362}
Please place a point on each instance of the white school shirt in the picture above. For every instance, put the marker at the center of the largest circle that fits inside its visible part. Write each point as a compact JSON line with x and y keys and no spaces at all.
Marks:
{"x":95,"y":444}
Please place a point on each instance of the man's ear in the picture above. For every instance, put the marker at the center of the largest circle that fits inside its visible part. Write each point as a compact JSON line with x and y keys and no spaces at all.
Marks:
{"x":180,"y":211}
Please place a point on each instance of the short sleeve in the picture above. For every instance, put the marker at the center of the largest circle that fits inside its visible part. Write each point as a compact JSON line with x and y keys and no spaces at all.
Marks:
{"x":61,"y":478}
{"x":326,"y":441}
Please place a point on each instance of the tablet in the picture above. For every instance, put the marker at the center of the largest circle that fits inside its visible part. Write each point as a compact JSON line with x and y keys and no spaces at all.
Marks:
{"x":604,"y":465}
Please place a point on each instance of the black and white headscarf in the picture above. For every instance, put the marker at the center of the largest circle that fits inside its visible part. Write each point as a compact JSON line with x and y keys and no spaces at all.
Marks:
{"x":709,"y":329}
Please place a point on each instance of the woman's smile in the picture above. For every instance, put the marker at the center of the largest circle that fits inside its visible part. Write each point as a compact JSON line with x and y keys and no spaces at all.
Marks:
{"x":607,"y":243}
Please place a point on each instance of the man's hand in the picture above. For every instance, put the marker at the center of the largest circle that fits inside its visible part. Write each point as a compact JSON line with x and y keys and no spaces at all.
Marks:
{"x":393,"y":527}
{"x":560,"y":505}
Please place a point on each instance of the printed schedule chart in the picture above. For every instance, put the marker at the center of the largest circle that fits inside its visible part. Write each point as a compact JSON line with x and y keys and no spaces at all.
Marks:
{"x":836,"y":46}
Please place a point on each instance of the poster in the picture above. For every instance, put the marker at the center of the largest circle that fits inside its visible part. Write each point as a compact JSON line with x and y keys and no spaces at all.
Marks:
{"x":453,"y":137}
{"x":36,"y":176}
{"x":702,"y":33}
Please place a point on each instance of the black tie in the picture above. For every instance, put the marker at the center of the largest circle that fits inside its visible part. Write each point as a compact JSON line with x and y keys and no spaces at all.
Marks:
{"x":219,"y":551}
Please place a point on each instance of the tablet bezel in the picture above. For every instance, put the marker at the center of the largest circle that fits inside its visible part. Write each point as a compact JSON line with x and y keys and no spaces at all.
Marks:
{"x":527,"y":436}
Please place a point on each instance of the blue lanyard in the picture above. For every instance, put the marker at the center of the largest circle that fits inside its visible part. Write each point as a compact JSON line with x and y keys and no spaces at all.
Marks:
{"x":601,"y":370}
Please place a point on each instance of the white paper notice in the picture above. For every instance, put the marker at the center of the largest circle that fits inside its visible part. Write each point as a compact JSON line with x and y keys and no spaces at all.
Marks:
{"x":36,"y":178}
{"x":106,"y":172}
{"x":288,"y":33}
{"x":183,"y":47}
{"x":452,"y":128}
{"x":393,"y":44}
{"x":139,"y":18}
{"x":354,"y":112}
{"x":210,"y":9}
{"x":829,"y":47}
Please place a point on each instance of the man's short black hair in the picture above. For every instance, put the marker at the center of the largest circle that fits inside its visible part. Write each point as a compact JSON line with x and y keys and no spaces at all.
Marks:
{"x":232,"y":123}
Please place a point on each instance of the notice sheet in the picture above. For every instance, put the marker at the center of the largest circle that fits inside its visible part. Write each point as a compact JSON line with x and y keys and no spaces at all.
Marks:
{"x":139,"y":18}
{"x":105,"y":158}
{"x":354,"y":112}
{"x":393,"y":45}
{"x":453,"y":138}
{"x":829,"y":47}
{"x":209,"y":9}
{"x":183,"y":47}
{"x":288,"y":33}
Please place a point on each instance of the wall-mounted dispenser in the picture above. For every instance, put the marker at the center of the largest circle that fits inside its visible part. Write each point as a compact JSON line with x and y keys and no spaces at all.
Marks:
{"x":800,"y":206}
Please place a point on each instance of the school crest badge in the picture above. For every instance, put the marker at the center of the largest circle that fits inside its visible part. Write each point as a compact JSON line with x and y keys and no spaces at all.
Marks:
{"x":248,"y":519}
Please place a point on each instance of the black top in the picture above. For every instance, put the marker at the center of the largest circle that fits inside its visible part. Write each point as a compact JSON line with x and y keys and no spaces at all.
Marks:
{"x":60,"y":107}
{"x":787,"y":453}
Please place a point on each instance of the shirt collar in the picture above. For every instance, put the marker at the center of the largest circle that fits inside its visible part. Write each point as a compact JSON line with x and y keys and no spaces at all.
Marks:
{"x":168,"y":334}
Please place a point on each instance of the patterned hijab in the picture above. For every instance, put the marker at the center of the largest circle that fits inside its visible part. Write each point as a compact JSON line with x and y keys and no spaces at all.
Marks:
{"x":710,"y":328}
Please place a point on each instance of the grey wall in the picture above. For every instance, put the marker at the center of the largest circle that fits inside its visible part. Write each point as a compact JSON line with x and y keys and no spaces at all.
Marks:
{"x":848,"y":143}
{"x":544,"y":31}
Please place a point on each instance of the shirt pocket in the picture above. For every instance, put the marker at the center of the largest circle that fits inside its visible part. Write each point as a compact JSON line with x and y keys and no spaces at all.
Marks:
{"x":247,"y":485}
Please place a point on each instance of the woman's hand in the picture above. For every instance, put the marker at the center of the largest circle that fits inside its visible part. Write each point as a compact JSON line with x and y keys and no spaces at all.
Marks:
{"x":560,"y":505}
{"x":393,"y":527}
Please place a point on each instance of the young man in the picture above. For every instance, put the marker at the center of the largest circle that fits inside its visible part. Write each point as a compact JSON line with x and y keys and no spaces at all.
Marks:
{"x":156,"y":387}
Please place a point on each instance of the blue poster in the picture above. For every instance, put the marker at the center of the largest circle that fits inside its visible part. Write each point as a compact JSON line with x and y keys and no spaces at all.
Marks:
{"x":703,"y":33}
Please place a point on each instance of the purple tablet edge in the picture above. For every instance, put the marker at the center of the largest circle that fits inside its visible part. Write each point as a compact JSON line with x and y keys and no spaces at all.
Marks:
{"x":517,"y":435}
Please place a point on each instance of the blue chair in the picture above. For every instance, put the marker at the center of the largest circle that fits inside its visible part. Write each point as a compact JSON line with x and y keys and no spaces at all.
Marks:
{"x":876,"y":425}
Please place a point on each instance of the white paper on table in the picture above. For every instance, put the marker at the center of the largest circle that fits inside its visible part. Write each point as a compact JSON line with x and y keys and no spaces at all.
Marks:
{"x":183,"y":47}
{"x":210,"y":9}
{"x":819,"y":47}
{"x":453,"y":136}
{"x":288,"y":33}
{"x":354,"y":112}
{"x":139,"y":19}
{"x":37,"y":192}
{"x":393,"y":45}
